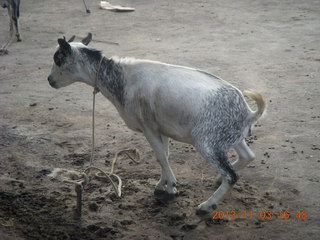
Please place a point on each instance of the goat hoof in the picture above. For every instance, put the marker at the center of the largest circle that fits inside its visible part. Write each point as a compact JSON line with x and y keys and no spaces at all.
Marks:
{"x":3,"y":52}
{"x":163,"y":195}
{"x":218,"y":182}
{"x":159,"y":193}
{"x":201,"y":212}
{"x":169,"y":196}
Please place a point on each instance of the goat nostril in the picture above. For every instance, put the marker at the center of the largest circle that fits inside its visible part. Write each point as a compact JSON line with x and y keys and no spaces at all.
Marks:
{"x":51,"y":82}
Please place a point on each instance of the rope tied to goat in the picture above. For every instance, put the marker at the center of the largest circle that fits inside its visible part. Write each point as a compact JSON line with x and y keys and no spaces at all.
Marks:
{"x":81,"y":179}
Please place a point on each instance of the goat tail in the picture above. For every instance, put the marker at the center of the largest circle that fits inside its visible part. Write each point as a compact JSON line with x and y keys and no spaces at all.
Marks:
{"x":260,"y":101}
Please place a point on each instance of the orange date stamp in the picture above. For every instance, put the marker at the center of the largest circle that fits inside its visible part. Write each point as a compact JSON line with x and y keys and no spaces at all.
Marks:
{"x":262,"y":215}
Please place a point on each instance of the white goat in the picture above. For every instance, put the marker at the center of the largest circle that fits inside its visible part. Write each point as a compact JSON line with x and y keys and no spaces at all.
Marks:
{"x":166,"y":101}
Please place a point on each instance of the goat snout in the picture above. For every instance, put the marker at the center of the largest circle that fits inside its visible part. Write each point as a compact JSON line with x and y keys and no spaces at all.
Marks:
{"x":51,"y":82}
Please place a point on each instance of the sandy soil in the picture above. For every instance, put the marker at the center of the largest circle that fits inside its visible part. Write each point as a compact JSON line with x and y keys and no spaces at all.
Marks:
{"x":270,"y":46}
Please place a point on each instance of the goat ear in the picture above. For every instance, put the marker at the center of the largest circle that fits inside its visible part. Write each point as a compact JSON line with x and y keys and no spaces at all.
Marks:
{"x":72,"y":38}
{"x":64,"y":46}
{"x":87,"y":39}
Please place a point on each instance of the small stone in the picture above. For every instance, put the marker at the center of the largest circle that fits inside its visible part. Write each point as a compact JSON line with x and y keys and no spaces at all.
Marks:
{"x":103,"y":232}
{"x":93,"y":207}
{"x":93,"y":228}
{"x":126,"y":222}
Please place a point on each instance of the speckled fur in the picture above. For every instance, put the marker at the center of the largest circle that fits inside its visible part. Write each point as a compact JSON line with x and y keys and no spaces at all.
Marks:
{"x":221,"y":125}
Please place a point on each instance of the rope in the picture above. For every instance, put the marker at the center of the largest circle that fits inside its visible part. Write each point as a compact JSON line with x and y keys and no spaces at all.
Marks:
{"x":95,"y":91}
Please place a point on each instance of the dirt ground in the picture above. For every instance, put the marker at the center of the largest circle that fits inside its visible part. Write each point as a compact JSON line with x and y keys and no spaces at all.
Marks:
{"x":267,"y":45}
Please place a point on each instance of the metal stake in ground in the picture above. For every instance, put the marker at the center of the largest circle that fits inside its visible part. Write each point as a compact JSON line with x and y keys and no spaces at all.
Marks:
{"x":79,"y":190}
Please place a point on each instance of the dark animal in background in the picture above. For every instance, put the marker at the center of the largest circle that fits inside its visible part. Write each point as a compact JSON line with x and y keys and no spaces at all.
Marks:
{"x":13,"y":12}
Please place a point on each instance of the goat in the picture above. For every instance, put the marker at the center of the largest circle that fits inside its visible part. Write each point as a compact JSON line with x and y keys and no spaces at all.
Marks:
{"x":167,"y":101}
{"x":13,"y":7}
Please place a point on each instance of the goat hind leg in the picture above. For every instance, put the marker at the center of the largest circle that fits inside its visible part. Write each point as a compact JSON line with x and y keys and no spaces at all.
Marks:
{"x":229,"y":178}
{"x":245,"y":155}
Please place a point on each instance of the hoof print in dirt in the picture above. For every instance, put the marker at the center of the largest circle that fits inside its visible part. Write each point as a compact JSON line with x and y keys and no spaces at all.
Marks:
{"x":189,"y":227}
{"x":93,"y":228}
{"x":42,"y":173}
{"x":126,"y":222}
{"x":175,"y":219}
{"x":201,"y":212}
{"x":77,"y":159}
{"x":103,"y":232}
{"x":159,"y":193}
{"x":93,"y":207}
{"x":113,"y":197}
{"x":155,"y":210}
{"x":169,"y":197}
{"x":164,"y":196}
{"x":177,"y":237}
{"x":218,"y":221}
{"x":159,"y":202}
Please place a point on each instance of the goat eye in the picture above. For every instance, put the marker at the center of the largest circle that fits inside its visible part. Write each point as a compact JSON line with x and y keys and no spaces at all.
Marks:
{"x":57,"y":59}
{"x":57,"y":62}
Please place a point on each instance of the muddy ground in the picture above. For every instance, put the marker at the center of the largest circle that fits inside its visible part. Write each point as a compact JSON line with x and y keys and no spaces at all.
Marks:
{"x":270,"y":46}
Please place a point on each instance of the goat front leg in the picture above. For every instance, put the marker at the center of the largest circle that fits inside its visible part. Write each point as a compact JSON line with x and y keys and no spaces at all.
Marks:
{"x":162,"y":184}
{"x":166,"y":185}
